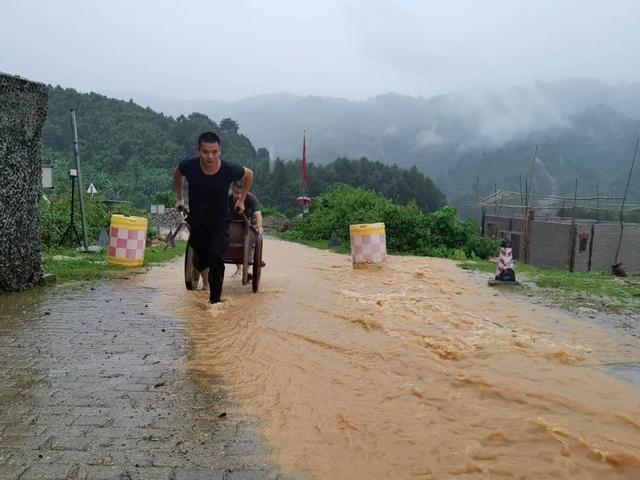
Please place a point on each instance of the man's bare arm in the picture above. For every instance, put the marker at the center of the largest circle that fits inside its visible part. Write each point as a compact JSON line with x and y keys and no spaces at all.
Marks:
{"x":248,"y":182}
{"x":258,"y":217}
{"x":178,"y":186}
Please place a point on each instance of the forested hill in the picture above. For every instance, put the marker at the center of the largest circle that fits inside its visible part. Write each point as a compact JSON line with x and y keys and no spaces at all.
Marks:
{"x":128,"y":153}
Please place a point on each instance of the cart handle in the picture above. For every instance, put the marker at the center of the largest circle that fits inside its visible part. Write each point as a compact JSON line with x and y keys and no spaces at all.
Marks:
{"x":248,"y":223}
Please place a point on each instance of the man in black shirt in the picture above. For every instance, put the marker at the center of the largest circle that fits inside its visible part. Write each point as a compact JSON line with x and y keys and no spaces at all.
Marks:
{"x":209,"y":178}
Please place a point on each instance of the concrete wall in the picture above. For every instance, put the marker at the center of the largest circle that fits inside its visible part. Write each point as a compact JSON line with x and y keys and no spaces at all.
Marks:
{"x":549,"y":248}
{"x":581,"y":258}
{"x":23,"y":109}
{"x":498,"y":227}
{"x":550,"y":244}
{"x":605,"y":242}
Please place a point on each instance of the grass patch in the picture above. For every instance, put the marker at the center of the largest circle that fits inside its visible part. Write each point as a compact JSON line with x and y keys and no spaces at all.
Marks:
{"x":68,"y":264}
{"x":156,"y":255}
{"x":597,"y":290}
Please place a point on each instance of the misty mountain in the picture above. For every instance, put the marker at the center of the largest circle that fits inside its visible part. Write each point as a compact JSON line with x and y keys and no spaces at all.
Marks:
{"x":397,"y":128}
{"x":595,"y":148}
{"x":585,"y":128}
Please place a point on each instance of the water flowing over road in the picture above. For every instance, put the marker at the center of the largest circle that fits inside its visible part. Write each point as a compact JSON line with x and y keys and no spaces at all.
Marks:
{"x":415,"y":370}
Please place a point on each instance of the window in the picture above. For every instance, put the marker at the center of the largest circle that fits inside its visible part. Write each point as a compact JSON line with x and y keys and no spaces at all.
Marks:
{"x":584,"y":239}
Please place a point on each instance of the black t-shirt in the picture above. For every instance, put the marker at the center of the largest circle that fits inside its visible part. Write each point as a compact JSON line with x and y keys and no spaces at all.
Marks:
{"x":208,"y":193}
{"x":251,"y":206}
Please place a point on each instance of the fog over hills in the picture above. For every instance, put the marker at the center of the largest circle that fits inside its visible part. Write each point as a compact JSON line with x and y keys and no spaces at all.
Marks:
{"x":585,"y":128}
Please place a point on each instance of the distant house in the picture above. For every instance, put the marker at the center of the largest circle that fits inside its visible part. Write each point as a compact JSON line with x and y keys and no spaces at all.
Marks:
{"x":581,"y":247}
{"x":540,"y":238}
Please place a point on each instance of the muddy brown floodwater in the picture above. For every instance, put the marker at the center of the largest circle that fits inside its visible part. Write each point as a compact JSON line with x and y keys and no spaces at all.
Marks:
{"x":414,"y":371}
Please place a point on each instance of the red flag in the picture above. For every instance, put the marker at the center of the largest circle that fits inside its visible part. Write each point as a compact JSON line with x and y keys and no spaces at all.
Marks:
{"x":304,"y":160}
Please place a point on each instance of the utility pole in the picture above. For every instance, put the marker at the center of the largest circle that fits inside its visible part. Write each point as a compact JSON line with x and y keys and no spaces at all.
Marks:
{"x":533,"y":164}
{"x":573,"y":232}
{"x":76,"y":151}
{"x":624,"y":200}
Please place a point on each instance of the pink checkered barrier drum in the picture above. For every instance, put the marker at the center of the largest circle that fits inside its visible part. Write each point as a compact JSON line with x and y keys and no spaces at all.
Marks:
{"x":368,"y":244}
{"x":505,"y":260}
{"x":127,"y":240}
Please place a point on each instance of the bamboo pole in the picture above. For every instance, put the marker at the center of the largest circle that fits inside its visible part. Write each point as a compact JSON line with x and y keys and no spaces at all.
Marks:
{"x":624,"y":200}
{"x":573,"y":233}
{"x":533,"y":164}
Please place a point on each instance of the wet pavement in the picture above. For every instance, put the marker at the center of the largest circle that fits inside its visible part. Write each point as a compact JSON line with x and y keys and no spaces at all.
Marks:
{"x":93,"y":386}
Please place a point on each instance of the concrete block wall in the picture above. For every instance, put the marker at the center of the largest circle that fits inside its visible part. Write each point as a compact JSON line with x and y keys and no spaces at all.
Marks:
{"x":23,"y":110}
{"x":605,"y":242}
{"x":494,"y":224}
{"x":550,"y":244}
{"x":581,"y":258}
{"x":498,"y":227}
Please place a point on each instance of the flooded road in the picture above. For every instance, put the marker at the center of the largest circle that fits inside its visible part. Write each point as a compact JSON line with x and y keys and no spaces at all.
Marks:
{"x":414,"y":371}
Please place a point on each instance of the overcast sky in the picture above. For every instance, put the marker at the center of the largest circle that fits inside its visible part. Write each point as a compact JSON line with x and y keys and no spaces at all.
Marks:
{"x":198,"y":49}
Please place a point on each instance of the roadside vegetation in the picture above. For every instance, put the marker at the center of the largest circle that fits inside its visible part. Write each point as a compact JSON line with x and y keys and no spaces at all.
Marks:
{"x":409,"y":230}
{"x":67,"y":263}
{"x":56,"y":211}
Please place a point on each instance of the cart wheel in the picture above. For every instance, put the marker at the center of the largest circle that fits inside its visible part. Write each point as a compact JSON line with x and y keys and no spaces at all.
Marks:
{"x":257,"y":264}
{"x":191,"y":274}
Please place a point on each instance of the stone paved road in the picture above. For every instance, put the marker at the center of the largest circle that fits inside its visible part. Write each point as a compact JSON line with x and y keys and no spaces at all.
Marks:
{"x":93,"y":386}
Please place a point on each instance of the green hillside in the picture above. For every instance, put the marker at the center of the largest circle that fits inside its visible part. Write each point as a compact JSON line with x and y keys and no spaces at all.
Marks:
{"x":128,"y":153}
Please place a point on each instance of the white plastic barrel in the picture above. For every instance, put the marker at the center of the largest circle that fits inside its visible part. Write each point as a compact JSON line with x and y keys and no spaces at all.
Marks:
{"x":127,"y":240}
{"x":368,"y":244}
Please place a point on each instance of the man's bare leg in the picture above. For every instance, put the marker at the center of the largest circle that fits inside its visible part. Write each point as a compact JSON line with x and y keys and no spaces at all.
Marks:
{"x":238,"y":270}
{"x":205,"y":279}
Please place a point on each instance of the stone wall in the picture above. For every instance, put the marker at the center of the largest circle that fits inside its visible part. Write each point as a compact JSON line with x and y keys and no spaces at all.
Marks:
{"x":163,"y":222}
{"x":23,"y":109}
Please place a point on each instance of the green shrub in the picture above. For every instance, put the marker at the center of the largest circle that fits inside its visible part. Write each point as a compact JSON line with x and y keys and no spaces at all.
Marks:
{"x":167,"y":198}
{"x":272,"y":212}
{"x":56,"y":212}
{"x":459,"y":255}
{"x":408,"y":230}
{"x":482,"y":247}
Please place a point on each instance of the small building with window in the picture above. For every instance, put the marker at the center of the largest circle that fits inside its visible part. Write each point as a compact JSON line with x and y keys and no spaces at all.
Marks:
{"x":580,"y":246}
{"x":561,"y":232}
